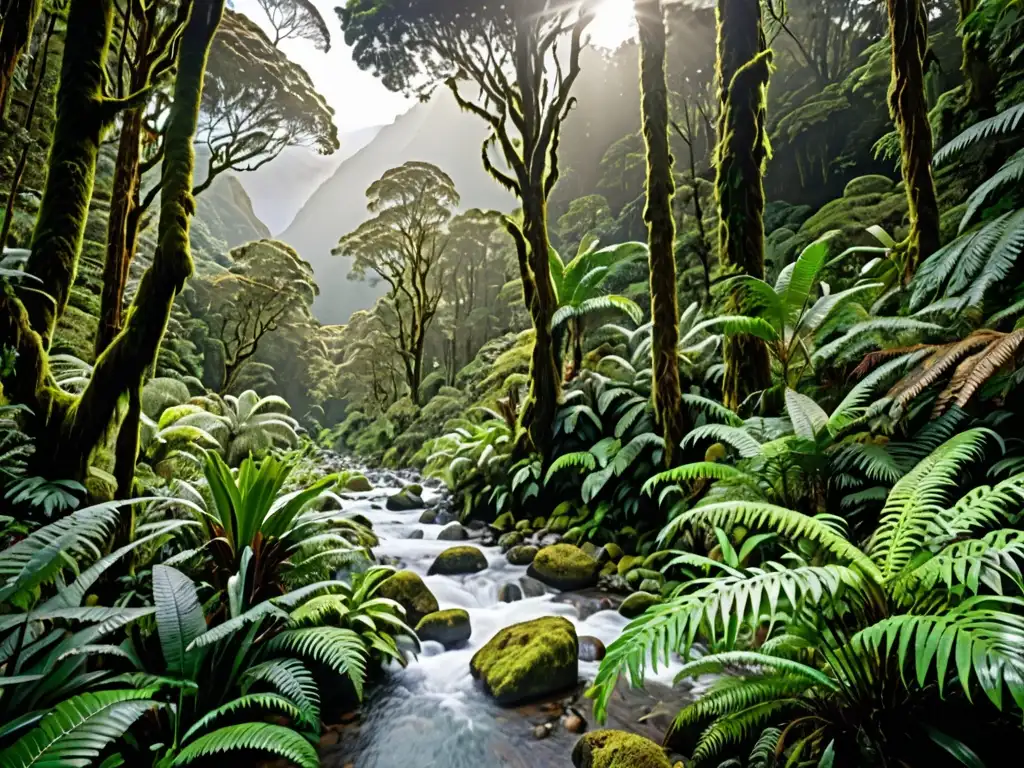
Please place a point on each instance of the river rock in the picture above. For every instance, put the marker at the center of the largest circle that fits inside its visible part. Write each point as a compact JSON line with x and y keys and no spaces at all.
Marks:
{"x":528,"y":660}
{"x":451,"y":628}
{"x":416,"y":533}
{"x":573,"y":723}
{"x":509,"y":540}
{"x":404,"y":500}
{"x":532,"y":587}
{"x":408,"y":590}
{"x":637,"y":575}
{"x":414,"y":488}
{"x":510,"y":593}
{"x":591,"y":649}
{"x":565,"y":567}
{"x":429,"y":516}
{"x":453,"y":532}
{"x":523,"y":526}
{"x":617,"y":749}
{"x":637,"y":603}
{"x":358,"y":484}
{"x":523,"y":555}
{"x":456,"y":560}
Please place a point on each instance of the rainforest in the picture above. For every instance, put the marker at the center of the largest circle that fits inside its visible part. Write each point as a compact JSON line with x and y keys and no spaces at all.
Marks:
{"x":528,"y":383}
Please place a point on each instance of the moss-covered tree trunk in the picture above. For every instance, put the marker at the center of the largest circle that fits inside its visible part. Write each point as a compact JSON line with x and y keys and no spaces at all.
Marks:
{"x":17,"y":19}
{"x":908,"y":103}
{"x":122,"y":367}
{"x":743,"y":69}
{"x":666,"y":389}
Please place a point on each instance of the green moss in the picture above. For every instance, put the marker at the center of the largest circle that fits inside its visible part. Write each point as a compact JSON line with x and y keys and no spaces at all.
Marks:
{"x":509,"y":540}
{"x":614,"y":551}
{"x":864,"y":185}
{"x":75,"y":333}
{"x":628,"y":563}
{"x":449,"y":628}
{"x":539,"y":523}
{"x":522,"y":555}
{"x":504,"y":522}
{"x":565,"y":567}
{"x":617,"y":749}
{"x":457,"y":560}
{"x":559,"y":524}
{"x":528,"y":660}
{"x":523,"y":526}
{"x":637,"y":603}
{"x":408,"y":590}
{"x":358,"y":484}
{"x":404,"y":500}
{"x":635,"y":576}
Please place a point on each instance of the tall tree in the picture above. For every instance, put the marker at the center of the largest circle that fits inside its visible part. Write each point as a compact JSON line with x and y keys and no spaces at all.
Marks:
{"x":743,"y":70}
{"x":908,"y":103}
{"x":67,"y":427}
{"x":403,"y":245}
{"x":268,"y":287}
{"x":666,"y":390}
{"x":16,"y":24}
{"x":297,"y":19}
{"x":522,"y":57}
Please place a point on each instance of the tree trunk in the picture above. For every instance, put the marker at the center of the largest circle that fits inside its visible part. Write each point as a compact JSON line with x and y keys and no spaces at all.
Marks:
{"x":666,"y":389}
{"x":122,"y":367}
{"x":16,"y":26}
{"x":121,"y":236}
{"x":126,"y":455}
{"x":908,"y":103}
{"x":743,"y":69}
{"x":538,"y":410}
{"x":19,"y":170}
{"x":82,"y":113}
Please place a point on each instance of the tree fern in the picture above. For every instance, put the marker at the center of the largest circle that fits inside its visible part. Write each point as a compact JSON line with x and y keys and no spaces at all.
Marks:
{"x":291,"y":679}
{"x":732,"y":694}
{"x":763,"y":753}
{"x":735,"y":728}
{"x":1012,"y":172}
{"x":78,"y":730}
{"x":700,"y":470}
{"x":261,"y":737}
{"x":578,"y":460}
{"x":736,"y":437}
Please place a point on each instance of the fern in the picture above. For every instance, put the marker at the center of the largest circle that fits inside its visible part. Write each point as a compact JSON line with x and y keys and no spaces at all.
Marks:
{"x":1012,"y":172}
{"x":291,"y":679}
{"x":340,"y":649}
{"x":579,"y":460}
{"x":1006,"y":121}
{"x":261,"y":702}
{"x":260,"y":737}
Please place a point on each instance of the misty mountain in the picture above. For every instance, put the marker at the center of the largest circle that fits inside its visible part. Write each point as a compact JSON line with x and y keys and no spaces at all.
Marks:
{"x":435,"y":132}
{"x":280,"y":188}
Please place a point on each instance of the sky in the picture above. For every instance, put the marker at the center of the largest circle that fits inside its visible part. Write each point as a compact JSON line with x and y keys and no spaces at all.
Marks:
{"x":358,"y":98}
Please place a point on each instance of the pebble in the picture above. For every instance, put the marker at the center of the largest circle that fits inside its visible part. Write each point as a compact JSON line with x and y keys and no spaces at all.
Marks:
{"x":591,"y":649}
{"x":509,"y":593}
{"x":542,"y":731}
{"x":573,"y":723}
{"x":415,"y":534}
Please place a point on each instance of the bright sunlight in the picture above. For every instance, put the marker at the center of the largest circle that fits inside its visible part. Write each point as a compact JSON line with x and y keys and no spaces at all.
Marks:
{"x":613,"y":25}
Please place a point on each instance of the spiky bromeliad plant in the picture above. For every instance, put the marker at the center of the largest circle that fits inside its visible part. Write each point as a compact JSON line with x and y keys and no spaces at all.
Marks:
{"x":867,"y":652}
{"x":292,"y":542}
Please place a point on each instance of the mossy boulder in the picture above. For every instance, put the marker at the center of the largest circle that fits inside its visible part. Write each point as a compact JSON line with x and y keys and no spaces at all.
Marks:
{"x":414,"y":488}
{"x":523,"y":526}
{"x":650,"y":585}
{"x":450,"y":628}
{"x":866,"y":185}
{"x":637,"y":575}
{"x":453,"y":532}
{"x":637,"y":603}
{"x":617,"y":749}
{"x":404,"y":500}
{"x":509,"y":540}
{"x":529,"y":660}
{"x":408,"y":590}
{"x":523,"y":555}
{"x":429,"y":516}
{"x":628,"y":563}
{"x":358,"y":484}
{"x":539,"y":522}
{"x":614,"y":551}
{"x":457,"y":560}
{"x":504,"y":522}
{"x":565,"y":567}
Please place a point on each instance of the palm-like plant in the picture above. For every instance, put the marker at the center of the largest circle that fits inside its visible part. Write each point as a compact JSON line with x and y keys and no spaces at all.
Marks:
{"x":254,"y":424}
{"x":290,"y":542}
{"x":473,"y":460}
{"x":578,"y":289}
{"x":793,"y":315}
{"x":852,"y":640}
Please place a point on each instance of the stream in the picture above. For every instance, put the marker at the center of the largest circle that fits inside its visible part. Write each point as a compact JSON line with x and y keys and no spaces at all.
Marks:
{"x":433,"y":713}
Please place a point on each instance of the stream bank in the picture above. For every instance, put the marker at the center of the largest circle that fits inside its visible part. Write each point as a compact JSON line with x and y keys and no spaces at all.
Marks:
{"x":433,"y":713}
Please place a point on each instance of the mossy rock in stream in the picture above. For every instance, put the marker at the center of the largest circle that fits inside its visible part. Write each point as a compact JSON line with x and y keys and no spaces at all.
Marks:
{"x":458,"y":560}
{"x":509,"y":540}
{"x":523,"y":555}
{"x":530,"y":660}
{"x":565,"y":567}
{"x":358,"y":484}
{"x":450,"y":628}
{"x":637,"y":603}
{"x":637,"y":575}
{"x":404,"y":500}
{"x":408,"y":590}
{"x":617,"y":749}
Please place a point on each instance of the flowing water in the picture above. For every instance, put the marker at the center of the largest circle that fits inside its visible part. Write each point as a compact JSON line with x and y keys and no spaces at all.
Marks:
{"x":432,"y":713}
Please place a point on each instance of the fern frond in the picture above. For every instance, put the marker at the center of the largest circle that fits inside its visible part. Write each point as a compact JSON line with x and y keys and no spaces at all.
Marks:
{"x":260,"y":737}
{"x":1006,"y":121}
{"x":340,"y":649}
{"x":291,"y":679}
